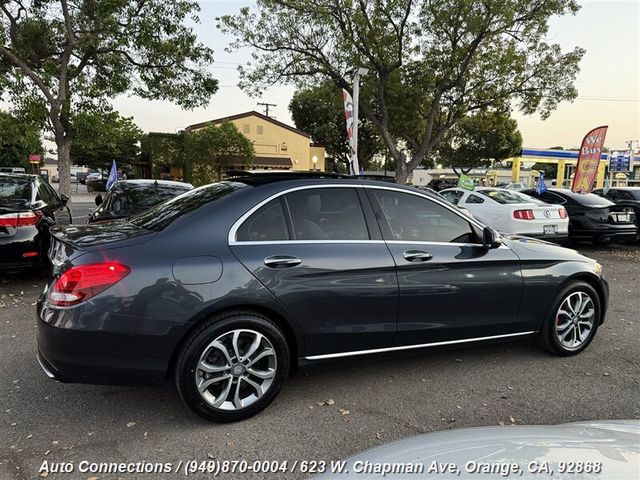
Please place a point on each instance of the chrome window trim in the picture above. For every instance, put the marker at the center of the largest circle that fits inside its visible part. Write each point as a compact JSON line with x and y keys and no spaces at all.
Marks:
{"x":410,"y":347}
{"x":231,"y":237}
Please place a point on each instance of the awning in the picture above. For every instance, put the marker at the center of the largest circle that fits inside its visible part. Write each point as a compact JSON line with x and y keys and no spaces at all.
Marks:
{"x":272,"y":162}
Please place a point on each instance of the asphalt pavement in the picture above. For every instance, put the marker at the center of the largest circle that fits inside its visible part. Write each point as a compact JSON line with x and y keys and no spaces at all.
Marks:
{"x":325,"y":414}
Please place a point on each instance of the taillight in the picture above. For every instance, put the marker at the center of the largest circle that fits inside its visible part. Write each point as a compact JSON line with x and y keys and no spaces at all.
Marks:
{"x":85,"y":281}
{"x":20,"y":219}
{"x":523,"y":214}
{"x":562,"y":212}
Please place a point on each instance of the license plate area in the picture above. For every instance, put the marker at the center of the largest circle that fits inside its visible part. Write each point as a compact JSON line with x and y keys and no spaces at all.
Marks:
{"x":550,"y":229}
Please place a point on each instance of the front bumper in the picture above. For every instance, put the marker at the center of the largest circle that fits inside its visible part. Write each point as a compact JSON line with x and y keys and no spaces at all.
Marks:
{"x":85,"y":345}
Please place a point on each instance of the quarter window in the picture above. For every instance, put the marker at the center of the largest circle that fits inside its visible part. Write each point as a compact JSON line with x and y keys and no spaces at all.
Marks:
{"x":474,"y":199}
{"x":327,"y":214}
{"x":413,"y":218}
{"x":266,"y":224}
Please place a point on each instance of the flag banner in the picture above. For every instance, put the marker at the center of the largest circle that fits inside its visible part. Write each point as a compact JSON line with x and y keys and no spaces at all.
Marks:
{"x":353,"y":142}
{"x":113,"y":176}
{"x":541,"y":187}
{"x":465,"y":182}
{"x":589,"y":160}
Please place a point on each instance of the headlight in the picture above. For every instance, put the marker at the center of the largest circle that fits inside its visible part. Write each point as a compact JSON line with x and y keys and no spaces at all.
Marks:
{"x":597,"y":269}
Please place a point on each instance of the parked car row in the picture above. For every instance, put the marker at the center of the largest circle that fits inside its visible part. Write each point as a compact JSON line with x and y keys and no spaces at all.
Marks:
{"x":556,"y":214}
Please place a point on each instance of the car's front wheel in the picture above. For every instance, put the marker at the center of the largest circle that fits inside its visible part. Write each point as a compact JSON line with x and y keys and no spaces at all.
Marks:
{"x":232,"y":366}
{"x":573,"y":320}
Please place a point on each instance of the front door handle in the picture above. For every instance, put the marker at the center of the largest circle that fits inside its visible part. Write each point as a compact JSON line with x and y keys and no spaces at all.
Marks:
{"x":417,"y":256}
{"x":282,"y":261}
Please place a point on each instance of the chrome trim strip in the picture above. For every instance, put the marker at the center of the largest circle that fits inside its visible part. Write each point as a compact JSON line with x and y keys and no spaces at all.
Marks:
{"x":231,"y":238}
{"x":410,"y":347}
{"x":45,"y":369}
{"x":296,"y":242}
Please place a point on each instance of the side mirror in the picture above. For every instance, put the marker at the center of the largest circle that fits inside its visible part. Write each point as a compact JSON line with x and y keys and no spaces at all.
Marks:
{"x":64,"y":198}
{"x":491,"y":238}
{"x":98,"y":200}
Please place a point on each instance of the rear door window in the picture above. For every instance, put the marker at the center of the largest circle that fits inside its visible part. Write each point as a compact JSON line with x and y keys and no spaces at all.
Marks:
{"x":266,"y":224}
{"x":327,"y":214}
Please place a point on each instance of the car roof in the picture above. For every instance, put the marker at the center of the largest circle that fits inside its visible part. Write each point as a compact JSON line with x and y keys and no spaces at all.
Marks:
{"x":20,"y":175}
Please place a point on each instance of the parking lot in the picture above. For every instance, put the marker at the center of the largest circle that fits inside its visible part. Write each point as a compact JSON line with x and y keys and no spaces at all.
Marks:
{"x":323,"y":414}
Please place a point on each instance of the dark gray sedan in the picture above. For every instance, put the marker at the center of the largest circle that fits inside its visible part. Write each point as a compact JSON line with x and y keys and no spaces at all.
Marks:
{"x":228,"y":288}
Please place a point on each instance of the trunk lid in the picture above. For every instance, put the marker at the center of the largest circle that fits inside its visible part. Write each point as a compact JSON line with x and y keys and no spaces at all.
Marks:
{"x":70,"y":241}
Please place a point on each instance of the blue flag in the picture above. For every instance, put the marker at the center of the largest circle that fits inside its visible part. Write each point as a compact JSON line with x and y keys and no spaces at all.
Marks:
{"x":113,"y":176}
{"x":540,"y":185}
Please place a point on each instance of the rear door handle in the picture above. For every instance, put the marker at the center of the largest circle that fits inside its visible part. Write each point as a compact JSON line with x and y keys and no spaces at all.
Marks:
{"x":282,"y":261}
{"x":417,"y":256}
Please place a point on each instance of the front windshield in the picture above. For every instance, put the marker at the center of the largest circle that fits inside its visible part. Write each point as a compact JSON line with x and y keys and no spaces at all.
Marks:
{"x":507,"y":196}
{"x":163,"y":214}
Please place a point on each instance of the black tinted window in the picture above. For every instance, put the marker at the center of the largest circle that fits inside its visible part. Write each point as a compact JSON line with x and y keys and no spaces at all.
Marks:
{"x":47,"y":195}
{"x":162,"y":215}
{"x":327,"y":214}
{"x":266,"y":224}
{"x":127,"y":200}
{"x":414,"y":218}
{"x":15,"y":188}
{"x":474,"y":199}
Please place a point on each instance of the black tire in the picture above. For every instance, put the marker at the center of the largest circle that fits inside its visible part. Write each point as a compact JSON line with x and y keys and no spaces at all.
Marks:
{"x":215,"y":328}
{"x":548,"y":337}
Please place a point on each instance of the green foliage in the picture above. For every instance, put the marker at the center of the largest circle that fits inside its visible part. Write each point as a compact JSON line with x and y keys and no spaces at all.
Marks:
{"x":77,"y":55}
{"x":18,"y":138}
{"x":479,"y":139}
{"x":550,"y":170}
{"x":431,"y":62}
{"x":215,"y":148}
{"x":101,"y":137}
{"x":319,"y":111}
{"x":162,"y":150}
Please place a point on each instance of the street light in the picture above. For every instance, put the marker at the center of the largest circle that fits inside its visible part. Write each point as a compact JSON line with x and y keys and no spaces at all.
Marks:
{"x":314,"y":160}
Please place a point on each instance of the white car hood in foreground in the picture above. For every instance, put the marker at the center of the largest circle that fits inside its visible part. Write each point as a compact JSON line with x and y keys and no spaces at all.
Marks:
{"x":616,"y":444}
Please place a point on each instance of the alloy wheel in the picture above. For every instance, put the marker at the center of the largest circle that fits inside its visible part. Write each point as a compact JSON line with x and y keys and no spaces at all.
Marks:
{"x":575,"y":320}
{"x":236,"y":369}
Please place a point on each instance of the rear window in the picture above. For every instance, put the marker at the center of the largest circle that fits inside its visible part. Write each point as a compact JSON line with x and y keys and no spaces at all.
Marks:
{"x":15,"y":188}
{"x":162,"y":215}
{"x":128,"y":200}
{"x":507,"y":196}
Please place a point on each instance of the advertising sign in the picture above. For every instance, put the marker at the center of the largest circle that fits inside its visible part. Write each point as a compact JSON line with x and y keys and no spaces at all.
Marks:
{"x":589,"y":160}
{"x":34,"y":158}
{"x":620,"y":161}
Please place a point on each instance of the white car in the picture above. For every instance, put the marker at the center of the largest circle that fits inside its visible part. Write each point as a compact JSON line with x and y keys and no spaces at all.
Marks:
{"x":512,"y":212}
{"x":516,"y":186}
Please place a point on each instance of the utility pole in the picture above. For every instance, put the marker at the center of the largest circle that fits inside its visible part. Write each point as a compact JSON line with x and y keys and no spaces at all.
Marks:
{"x":266,"y":107}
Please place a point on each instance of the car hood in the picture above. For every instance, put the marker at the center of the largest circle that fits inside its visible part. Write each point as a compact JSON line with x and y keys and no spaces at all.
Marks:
{"x":614,"y":443}
{"x":528,"y":248}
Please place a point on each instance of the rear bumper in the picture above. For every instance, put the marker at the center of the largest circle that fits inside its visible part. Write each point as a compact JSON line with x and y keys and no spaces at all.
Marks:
{"x":613,"y":234}
{"x":13,"y":250}
{"x":557,"y":237}
{"x":86,"y":345}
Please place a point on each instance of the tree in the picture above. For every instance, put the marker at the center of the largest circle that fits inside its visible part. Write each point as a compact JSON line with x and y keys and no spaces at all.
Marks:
{"x":431,"y":62}
{"x":18,"y":138}
{"x":101,"y":137}
{"x":72,"y":54}
{"x":479,"y":139}
{"x":319,"y":111}
{"x":215,"y":148}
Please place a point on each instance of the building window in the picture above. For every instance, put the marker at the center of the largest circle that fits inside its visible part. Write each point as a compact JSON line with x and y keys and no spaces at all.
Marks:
{"x":246,"y":128}
{"x":259,"y":130}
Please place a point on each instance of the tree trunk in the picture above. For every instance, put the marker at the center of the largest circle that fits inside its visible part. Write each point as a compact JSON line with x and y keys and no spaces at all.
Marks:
{"x":64,"y":165}
{"x":402,"y":171}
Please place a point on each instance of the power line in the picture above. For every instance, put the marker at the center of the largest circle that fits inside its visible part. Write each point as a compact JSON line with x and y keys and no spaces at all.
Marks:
{"x":266,"y":107}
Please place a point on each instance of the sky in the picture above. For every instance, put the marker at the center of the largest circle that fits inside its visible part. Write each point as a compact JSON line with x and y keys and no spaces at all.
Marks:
{"x":608,"y":84}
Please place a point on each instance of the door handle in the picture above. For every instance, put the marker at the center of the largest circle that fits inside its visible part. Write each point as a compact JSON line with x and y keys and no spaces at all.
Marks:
{"x":417,"y":256}
{"x":282,"y":261}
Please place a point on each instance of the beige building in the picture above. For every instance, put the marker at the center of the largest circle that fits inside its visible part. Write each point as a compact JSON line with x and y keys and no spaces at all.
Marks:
{"x":278,"y":146}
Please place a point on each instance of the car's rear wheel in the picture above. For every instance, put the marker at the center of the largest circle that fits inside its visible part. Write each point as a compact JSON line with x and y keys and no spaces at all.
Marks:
{"x":573,"y":321}
{"x":232,"y":366}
